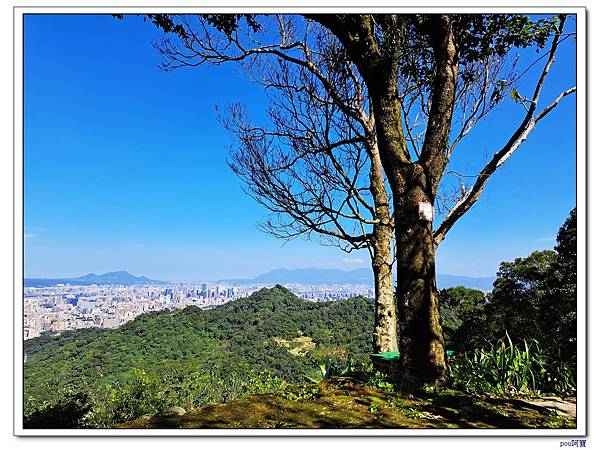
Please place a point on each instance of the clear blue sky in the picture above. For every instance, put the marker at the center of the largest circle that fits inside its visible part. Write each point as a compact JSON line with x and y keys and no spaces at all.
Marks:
{"x":125,"y":167}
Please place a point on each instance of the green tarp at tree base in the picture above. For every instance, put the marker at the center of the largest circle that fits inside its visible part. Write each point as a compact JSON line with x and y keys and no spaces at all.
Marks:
{"x":393,"y":358}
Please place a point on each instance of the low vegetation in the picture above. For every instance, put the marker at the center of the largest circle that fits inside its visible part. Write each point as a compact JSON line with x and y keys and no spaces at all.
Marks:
{"x":508,"y":370}
{"x":347,"y":402}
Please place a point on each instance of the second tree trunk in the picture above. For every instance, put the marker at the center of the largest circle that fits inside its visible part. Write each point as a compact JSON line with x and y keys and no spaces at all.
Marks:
{"x":385,"y":335}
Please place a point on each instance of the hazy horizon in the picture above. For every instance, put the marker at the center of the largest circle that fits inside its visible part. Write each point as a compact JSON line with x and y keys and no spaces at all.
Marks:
{"x":228,"y":278}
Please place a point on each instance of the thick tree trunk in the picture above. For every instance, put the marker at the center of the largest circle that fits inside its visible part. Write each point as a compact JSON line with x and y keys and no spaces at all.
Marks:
{"x":422,"y":341}
{"x":385,"y":334}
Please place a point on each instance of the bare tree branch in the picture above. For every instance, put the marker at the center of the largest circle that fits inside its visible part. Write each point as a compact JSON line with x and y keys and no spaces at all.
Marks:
{"x":469,"y":198}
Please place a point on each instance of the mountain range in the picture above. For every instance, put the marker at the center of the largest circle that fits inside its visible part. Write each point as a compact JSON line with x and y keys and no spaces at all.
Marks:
{"x":356,"y":276}
{"x":277,"y":276}
{"x":119,"y":277}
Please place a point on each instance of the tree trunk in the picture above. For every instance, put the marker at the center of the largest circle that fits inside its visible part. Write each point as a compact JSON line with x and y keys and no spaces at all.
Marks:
{"x":385,"y":334}
{"x":422,"y":341}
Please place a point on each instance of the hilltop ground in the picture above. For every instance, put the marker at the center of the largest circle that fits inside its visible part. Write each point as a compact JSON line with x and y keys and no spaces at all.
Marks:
{"x":343,"y":402}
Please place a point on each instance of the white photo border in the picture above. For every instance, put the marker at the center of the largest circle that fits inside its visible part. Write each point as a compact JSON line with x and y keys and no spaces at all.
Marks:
{"x":263,"y":7}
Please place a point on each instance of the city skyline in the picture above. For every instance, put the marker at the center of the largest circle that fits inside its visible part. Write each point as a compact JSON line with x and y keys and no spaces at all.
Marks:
{"x":59,"y":308}
{"x":130,"y":170}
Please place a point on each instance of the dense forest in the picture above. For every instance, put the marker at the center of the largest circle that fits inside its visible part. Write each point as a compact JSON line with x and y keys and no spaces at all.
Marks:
{"x":518,"y":338}
{"x":270,"y":334}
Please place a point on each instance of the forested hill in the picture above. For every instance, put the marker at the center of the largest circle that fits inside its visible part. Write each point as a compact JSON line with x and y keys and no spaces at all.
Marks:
{"x":272,"y":331}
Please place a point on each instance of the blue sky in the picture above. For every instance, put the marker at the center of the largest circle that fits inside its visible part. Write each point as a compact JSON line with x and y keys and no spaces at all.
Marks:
{"x":125,"y":166}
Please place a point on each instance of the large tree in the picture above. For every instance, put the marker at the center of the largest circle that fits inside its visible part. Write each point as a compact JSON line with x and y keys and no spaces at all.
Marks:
{"x":415,"y":70}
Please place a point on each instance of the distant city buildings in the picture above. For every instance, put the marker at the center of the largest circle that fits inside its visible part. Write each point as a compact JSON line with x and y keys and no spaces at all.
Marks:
{"x":68,"y":307}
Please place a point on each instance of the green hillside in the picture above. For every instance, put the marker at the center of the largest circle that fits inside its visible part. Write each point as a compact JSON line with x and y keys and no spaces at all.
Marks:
{"x":190,"y":357}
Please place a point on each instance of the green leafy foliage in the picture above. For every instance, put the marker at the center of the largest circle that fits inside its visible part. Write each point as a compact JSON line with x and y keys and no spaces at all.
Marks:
{"x":513,"y":305}
{"x":141,"y":393}
{"x":65,"y":412}
{"x":505,"y":369}
{"x":482,"y":35}
{"x":558,"y":309}
{"x":534,"y":298}
{"x":379,"y":380}
{"x":478,"y":37}
{"x":456,"y":305}
{"x":533,"y":302}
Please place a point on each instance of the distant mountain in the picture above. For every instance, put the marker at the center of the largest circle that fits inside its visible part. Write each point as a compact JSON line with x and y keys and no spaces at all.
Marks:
{"x":119,"y":277}
{"x":273,"y":277}
{"x":357,"y":276}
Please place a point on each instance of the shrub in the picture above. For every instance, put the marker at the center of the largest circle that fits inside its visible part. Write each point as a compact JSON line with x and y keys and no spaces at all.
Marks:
{"x":505,"y":369}
{"x":148,"y":394}
{"x":67,"y":412}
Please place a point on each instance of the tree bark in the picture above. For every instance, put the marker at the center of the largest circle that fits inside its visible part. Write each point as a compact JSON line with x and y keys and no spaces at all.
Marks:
{"x":385,"y":334}
{"x":422,"y":341}
{"x":423,"y":353}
